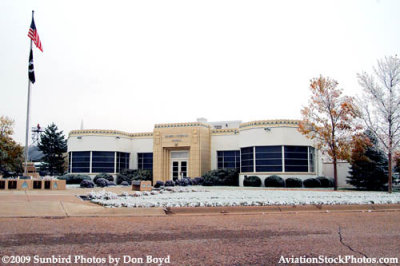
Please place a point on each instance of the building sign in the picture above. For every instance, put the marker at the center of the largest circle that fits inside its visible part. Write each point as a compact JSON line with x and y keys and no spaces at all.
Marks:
{"x":176,"y":136}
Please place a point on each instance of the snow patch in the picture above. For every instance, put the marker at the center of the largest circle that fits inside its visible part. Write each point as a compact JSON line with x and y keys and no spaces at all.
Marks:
{"x":199,"y":197}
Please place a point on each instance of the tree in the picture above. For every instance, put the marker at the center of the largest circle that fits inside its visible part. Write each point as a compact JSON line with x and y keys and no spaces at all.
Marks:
{"x":328,"y":120}
{"x":381,"y":106}
{"x":53,"y":145}
{"x":368,"y":163}
{"x":11,"y":153}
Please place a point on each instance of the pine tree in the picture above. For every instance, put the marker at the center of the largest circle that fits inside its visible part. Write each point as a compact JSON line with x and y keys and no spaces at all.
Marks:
{"x":53,"y":145}
{"x":368,"y":164}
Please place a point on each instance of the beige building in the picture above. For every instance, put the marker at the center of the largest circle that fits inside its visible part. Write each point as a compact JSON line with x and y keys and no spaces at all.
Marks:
{"x":177,"y":150}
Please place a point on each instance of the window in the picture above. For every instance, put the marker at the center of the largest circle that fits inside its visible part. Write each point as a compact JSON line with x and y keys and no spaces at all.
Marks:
{"x":80,"y":161}
{"x":145,"y":161}
{"x":103,"y":161}
{"x":311,"y":159}
{"x":247,"y":159}
{"x":69,"y":162}
{"x":228,"y":159}
{"x":122,"y":161}
{"x":268,"y":159}
{"x":296,"y":159}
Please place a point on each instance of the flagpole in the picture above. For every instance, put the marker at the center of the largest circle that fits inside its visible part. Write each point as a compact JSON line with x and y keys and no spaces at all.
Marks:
{"x":27,"y":118}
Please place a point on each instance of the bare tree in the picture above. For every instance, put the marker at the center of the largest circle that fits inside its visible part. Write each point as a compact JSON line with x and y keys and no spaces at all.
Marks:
{"x":381,"y":105}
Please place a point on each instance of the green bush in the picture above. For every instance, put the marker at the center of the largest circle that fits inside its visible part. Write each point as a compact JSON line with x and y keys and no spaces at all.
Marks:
{"x":134,"y":174}
{"x":325,"y":182}
{"x":311,"y":183}
{"x":251,"y":181}
{"x":74,"y":178}
{"x":221,"y":177}
{"x":105,"y":176}
{"x":274,"y":181}
{"x":294,"y":182}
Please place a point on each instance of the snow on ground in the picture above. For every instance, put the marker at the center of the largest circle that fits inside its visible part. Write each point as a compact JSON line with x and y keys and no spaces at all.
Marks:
{"x":201,"y":197}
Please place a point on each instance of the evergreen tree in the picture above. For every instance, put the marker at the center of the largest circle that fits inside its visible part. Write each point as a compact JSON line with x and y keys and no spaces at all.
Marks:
{"x":53,"y":145}
{"x":368,"y":164}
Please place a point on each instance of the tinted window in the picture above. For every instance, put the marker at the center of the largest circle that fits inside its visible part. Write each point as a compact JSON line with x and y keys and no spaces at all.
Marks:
{"x":145,"y":161}
{"x":228,"y":159}
{"x":103,"y":161}
{"x":80,"y":161}
{"x":296,"y":158}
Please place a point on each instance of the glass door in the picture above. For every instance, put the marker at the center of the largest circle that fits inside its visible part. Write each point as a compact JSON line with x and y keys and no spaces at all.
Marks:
{"x":183,"y":169}
{"x":179,"y":164}
{"x":175,"y":170}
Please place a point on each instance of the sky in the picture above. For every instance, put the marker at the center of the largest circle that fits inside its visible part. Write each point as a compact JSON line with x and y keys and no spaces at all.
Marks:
{"x":127,"y":65}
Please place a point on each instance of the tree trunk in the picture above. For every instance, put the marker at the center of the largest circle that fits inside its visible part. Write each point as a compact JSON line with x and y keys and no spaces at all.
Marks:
{"x":335,"y":186}
{"x":390,"y":172}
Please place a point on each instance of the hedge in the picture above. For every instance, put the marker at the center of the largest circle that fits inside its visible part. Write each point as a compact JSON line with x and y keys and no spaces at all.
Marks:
{"x":294,"y":182}
{"x":251,"y":181}
{"x":311,"y":183}
{"x":274,"y":181}
{"x":74,"y":178}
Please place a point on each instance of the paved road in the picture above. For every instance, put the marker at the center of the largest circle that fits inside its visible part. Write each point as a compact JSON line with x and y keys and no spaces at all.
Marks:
{"x":252,"y":239}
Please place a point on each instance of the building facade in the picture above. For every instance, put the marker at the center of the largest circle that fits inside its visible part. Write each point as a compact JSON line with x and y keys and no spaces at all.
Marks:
{"x":177,"y":150}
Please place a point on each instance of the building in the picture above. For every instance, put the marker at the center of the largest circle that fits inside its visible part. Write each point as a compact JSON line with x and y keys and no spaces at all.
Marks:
{"x":177,"y":150}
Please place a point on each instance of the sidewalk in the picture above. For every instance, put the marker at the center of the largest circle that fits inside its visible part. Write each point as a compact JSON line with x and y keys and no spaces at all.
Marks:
{"x":66,"y":203}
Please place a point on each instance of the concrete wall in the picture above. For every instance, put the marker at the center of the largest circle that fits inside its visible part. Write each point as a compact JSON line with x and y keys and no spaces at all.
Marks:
{"x":343,"y":169}
{"x":222,"y":142}
{"x":259,"y":136}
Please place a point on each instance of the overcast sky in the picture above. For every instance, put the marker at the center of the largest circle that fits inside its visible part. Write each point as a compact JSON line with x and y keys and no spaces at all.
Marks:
{"x":127,"y":65}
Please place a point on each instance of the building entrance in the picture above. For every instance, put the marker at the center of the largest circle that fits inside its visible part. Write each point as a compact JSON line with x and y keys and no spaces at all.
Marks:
{"x":179,"y":164}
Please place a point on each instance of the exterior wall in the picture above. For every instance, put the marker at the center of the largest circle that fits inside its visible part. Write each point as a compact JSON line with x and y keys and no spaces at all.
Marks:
{"x":194,"y":137}
{"x":111,"y":140}
{"x":343,"y":169}
{"x":99,"y":143}
{"x":200,"y":139}
{"x":223,"y":140}
{"x":139,"y":145}
{"x":258,"y":136}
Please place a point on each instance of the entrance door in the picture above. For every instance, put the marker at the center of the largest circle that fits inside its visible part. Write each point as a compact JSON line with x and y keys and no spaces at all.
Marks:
{"x":179,"y":169}
{"x":179,"y":164}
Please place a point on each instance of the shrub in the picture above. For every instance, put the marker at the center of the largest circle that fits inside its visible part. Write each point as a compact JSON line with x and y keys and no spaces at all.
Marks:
{"x":101,"y":182}
{"x":123,"y":178}
{"x":210,"y":180}
{"x":325,"y":182}
{"x":159,"y":184}
{"x":137,"y":174}
{"x":110,"y":184}
{"x":294,"y":182}
{"x":312,"y":182}
{"x":74,"y":178}
{"x":197,"y":181}
{"x":251,"y":181}
{"x":185,"y":182}
{"x":124,"y":183}
{"x":87,"y":184}
{"x":221,"y":177}
{"x":169,"y":183}
{"x":105,"y":176}
{"x":274,"y":181}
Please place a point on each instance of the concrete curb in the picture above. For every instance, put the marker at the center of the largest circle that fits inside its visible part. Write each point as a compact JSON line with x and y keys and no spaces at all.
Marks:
{"x":280,"y":209}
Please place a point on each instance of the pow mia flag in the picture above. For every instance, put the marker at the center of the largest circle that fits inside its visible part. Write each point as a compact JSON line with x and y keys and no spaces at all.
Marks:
{"x":31,"y":71}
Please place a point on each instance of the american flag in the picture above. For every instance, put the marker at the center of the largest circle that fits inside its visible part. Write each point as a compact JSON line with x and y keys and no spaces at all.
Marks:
{"x":33,"y":34}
